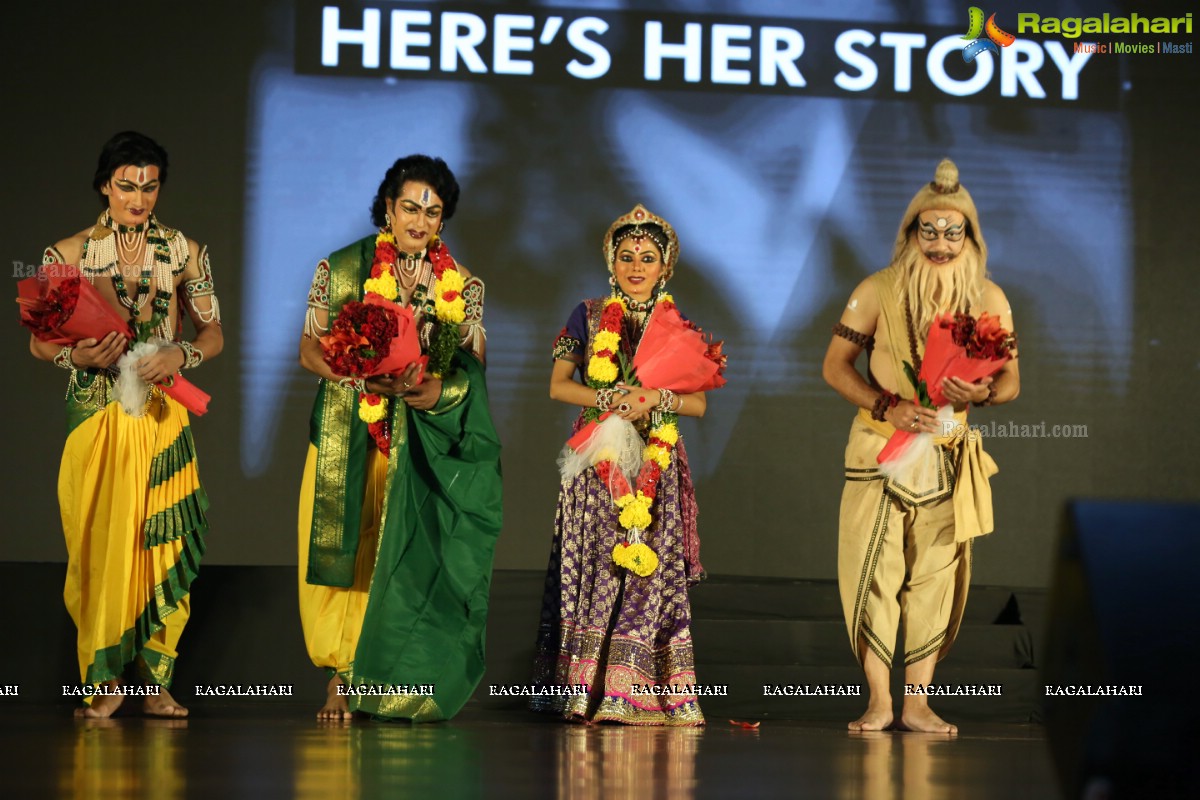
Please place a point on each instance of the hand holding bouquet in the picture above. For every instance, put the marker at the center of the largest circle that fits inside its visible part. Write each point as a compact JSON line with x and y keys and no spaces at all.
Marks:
{"x":369,"y":339}
{"x":60,"y":307}
{"x":959,"y":346}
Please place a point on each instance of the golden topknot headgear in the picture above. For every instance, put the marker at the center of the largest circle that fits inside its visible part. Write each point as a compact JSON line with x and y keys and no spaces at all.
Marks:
{"x":640,"y":222}
{"x":944,"y":192}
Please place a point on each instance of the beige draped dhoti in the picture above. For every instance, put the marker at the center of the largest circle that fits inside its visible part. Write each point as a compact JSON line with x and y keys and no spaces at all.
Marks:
{"x":904,"y":552}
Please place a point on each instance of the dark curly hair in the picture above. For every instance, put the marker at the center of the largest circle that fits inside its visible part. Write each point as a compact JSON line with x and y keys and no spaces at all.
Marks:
{"x":128,"y":147}
{"x":421,"y":168}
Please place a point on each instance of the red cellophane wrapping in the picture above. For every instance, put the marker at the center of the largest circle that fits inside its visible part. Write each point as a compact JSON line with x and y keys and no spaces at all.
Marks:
{"x":370,"y":338}
{"x":406,"y":347}
{"x":60,"y":307}
{"x":675,"y":355}
{"x":958,"y":346}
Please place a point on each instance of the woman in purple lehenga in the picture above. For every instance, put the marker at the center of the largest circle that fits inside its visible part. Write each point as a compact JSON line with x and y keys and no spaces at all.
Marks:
{"x":623,"y":635}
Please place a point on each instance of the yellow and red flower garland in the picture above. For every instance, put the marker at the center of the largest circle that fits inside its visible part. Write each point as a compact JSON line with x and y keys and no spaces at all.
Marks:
{"x":449,"y":307}
{"x":635,"y":502}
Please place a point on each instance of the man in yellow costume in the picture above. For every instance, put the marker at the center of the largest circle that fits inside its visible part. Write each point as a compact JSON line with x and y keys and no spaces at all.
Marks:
{"x":132,"y":506}
{"x":904,"y":547}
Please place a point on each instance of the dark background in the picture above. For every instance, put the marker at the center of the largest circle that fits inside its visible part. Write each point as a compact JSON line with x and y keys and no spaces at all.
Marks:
{"x":541,"y":182}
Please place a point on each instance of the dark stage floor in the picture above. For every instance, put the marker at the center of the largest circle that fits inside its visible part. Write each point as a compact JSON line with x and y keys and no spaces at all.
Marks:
{"x":278,"y":750}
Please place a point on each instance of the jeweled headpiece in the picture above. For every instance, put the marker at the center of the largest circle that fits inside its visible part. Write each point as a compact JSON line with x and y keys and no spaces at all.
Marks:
{"x":640,"y":222}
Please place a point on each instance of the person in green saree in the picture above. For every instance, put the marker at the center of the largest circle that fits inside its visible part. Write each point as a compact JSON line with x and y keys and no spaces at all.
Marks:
{"x":400,"y":504}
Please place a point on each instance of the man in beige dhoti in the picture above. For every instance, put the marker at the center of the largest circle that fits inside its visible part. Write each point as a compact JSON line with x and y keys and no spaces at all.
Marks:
{"x":904,"y":547}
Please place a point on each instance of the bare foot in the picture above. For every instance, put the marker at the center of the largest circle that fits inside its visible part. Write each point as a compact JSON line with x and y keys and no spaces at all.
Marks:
{"x":335,"y":707}
{"x":163,"y":705}
{"x":103,"y":706}
{"x":920,"y":718}
{"x":877,"y":718}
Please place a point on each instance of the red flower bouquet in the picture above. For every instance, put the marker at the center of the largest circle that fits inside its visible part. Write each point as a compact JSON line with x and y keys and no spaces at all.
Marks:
{"x":961,"y":346}
{"x":675,"y":355}
{"x":958,"y":346}
{"x":60,"y":307}
{"x":370,"y":338}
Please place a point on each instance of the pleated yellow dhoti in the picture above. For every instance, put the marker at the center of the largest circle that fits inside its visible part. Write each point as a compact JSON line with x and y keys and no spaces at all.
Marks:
{"x":133,"y":517}
{"x":332,"y":616}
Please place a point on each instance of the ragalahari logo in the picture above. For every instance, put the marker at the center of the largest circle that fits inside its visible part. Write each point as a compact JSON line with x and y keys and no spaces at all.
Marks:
{"x":976,"y":28}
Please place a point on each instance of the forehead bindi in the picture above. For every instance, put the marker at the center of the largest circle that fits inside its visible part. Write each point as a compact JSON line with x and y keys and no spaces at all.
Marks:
{"x":138,"y":176}
{"x":639,"y":245}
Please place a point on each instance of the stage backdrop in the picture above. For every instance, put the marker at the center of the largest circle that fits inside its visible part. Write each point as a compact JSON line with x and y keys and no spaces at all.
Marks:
{"x":783,"y":141}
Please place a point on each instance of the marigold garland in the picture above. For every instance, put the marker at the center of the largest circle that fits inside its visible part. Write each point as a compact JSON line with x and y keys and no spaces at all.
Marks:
{"x":375,"y":409}
{"x":372,"y":407}
{"x":383,"y":268}
{"x":635,"y":502}
{"x":449,"y":307}
{"x":637,"y":558}
{"x":602,"y":366}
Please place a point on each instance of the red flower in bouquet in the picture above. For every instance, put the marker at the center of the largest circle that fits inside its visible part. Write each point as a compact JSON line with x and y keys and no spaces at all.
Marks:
{"x":715,"y":352}
{"x":958,"y":346}
{"x":60,"y":307}
{"x":980,"y":338}
{"x":56,"y":306}
{"x":961,"y":346}
{"x":359,"y":339}
{"x":370,"y":338}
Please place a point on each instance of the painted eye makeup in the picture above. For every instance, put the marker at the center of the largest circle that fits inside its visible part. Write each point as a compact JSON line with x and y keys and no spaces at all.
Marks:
{"x":413,"y":208}
{"x":929,"y":233}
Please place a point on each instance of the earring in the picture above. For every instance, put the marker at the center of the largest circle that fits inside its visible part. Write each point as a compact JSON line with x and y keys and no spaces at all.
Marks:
{"x":388,"y":216}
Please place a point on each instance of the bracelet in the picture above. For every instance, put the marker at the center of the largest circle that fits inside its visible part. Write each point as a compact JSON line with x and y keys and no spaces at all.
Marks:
{"x":666,"y":400}
{"x":853,"y":336}
{"x":191,"y":355}
{"x":357,"y":384}
{"x":604,"y":398}
{"x":62,"y":358}
{"x":883,"y":403}
{"x":987,"y":401}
